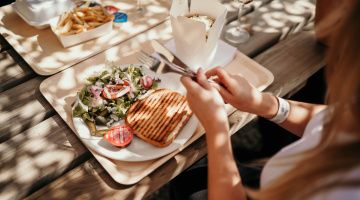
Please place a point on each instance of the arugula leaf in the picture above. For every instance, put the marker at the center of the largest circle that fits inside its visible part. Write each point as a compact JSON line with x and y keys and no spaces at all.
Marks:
{"x":79,"y":111}
{"x":86,"y":116}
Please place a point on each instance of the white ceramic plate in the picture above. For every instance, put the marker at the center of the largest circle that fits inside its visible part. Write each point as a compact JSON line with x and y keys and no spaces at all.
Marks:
{"x":138,"y":150}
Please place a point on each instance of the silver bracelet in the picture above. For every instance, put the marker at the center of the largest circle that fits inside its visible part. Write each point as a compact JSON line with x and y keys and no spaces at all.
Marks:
{"x":283,"y":111}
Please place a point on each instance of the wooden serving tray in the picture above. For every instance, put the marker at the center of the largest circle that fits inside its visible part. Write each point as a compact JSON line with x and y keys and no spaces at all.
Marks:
{"x":46,"y":56}
{"x":60,"y":90}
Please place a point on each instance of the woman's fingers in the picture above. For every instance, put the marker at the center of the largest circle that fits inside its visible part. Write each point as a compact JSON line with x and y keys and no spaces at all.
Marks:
{"x":225,"y":94}
{"x":223,"y":77}
{"x":215,"y":83}
{"x":202,"y":80}
{"x":190,"y":85}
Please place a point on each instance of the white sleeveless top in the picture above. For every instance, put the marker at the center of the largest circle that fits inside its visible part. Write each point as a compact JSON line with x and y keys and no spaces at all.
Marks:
{"x":312,"y":136}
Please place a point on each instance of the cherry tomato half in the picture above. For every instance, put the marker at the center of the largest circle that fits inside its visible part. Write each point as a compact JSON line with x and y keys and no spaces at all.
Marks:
{"x":119,"y":136}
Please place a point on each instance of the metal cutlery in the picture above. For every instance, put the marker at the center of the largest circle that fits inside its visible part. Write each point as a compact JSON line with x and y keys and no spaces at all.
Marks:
{"x":153,"y":62}
{"x":148,"y":60}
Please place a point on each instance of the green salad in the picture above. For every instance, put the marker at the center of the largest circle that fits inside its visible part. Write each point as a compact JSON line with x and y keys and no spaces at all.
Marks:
{"x":106,"y":97}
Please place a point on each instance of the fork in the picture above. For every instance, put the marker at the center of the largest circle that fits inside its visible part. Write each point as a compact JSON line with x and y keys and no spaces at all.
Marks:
{"x":152,"y":62}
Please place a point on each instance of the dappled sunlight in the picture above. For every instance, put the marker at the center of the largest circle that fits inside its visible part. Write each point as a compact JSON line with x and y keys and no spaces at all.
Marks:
{"x":273,"y":21}
{"x":24,"y":108}
{"x":42,"y":50}
{"x":60,"y":90}
{"x":221,"y":140}
{"x":12,"y":69}
{"x":64,"y":83}
{"x":38,"y":147}
{"x":277,"y":14}
{"x":6,"y":67}
{"x":35,"y":154}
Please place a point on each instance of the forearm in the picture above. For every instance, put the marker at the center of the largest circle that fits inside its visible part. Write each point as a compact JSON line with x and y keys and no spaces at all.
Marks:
{"x":299,"y":116}
{"x":224,"y":180}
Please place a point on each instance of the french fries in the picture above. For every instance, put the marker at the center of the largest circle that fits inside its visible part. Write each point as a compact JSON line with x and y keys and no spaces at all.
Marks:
{"x":82,"y":19}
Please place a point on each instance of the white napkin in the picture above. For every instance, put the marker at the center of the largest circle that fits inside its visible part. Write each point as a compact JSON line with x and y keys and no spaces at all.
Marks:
{"x":224,"y":54}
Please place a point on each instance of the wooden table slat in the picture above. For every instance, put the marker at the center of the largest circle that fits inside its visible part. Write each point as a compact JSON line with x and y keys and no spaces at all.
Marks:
{"x":22,"y":107}
{"x":39,"y":155}
{"x":13,"y":70}
{"x":4,"y":45}
{"x":270,"y":23}
{"x":233,"y":7}
{"x":304,"y":62}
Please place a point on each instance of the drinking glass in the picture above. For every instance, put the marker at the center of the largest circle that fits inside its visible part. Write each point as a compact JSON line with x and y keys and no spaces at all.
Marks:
{"x":237,"y":34}
{"x":139,"y":7}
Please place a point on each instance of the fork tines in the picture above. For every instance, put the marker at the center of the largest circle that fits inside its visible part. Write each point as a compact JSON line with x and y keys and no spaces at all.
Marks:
{"x":153,"y":62}
{"x":148,"y":60}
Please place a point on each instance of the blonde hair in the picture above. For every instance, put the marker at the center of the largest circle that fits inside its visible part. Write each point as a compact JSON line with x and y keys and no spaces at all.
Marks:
{"x":315,"y":172}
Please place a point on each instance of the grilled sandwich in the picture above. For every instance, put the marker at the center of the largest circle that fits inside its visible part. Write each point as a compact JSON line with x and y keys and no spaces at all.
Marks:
{"x":158,"y":118}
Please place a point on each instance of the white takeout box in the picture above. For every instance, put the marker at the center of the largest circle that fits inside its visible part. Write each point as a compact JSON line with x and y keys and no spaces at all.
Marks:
{"x":70,"y":40}
{"x":38,"y":13}
{"x":191,"y":44}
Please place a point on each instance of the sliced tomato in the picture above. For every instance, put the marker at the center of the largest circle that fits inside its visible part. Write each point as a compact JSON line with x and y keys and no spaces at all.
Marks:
{"x":116,"y":91}
{"x":119,"y":136}
{"x":146,"y":81}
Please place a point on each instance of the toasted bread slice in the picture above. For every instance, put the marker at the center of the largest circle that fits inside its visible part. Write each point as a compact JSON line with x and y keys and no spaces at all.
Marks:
{"x":158,"y":118}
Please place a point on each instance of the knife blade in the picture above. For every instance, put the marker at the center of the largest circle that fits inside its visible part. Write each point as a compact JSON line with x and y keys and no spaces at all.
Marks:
{"x":173,"y":66}
{"x":158,"y":47}
{"x":167,"y":54}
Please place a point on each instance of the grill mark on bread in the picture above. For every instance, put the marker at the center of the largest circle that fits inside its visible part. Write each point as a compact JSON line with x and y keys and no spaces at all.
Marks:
{"x":141,"y":103}
{"x":156,"y":116}
{"x":182,"y":121}
{"x":146,"y":104}
{"x":174,"y":132}
{"x":151,"y":111}
{"x":166,"y":130}
{"x":168,"y":112}
{"x":167,"y":122}
{"x":174,"y":120}
{"x":163,"y":118}
{"x":136,"y":106}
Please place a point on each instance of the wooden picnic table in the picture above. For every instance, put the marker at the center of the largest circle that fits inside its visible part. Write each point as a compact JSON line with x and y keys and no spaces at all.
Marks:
{"x":41,"y":158}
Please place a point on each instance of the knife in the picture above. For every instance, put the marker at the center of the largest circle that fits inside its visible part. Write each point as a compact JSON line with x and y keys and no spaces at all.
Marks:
{"x":170,"y":57}
{"x":161,"y":49}
{"x":173,"y":66}
{"x":164,"y":53}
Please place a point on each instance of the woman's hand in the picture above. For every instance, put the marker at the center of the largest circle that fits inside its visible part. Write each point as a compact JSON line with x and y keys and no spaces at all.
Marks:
{"x":208,"y":105}
{"x":238,"y":92}
{"x":206,"y":102}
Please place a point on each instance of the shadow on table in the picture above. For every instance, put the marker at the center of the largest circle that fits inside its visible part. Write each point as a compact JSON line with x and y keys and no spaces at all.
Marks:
{"x":13,"y":69}
{"x":102,"y":185}
{"x":43,"y":50}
